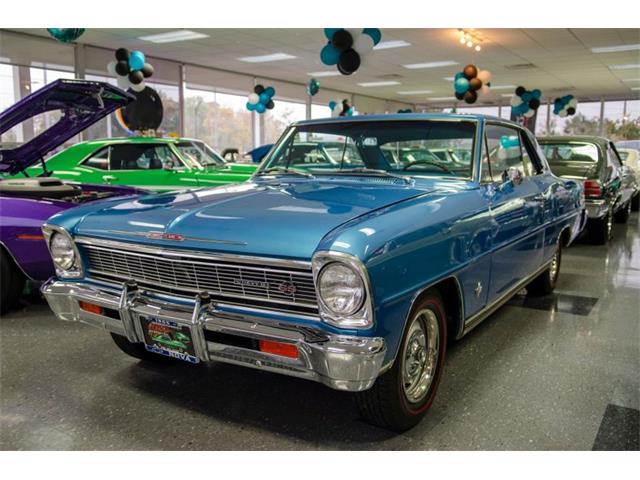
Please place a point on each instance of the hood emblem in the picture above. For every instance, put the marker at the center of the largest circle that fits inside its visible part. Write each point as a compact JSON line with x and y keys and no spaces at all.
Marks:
{"x":175,"y":237}
{"x":287,"y":288}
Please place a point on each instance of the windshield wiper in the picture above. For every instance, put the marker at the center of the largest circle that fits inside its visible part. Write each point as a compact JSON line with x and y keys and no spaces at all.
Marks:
{"x":372,"y":171}
{"x":282,"y":171}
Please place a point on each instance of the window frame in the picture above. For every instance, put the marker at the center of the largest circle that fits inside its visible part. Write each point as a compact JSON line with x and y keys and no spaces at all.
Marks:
{"x":154,"y":145}
{"x":518,"y":130}
{"x":94,"y":154}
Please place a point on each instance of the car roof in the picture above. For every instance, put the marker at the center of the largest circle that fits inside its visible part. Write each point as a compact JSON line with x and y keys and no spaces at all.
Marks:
{"x":406,"y":117}
{"x":104,"y":141}
{"x":602,"y":141}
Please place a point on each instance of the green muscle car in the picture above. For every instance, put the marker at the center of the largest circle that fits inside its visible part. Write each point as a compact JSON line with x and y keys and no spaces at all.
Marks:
{"x":153,"y":163}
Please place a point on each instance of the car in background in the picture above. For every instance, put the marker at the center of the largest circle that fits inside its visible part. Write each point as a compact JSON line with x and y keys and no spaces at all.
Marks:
{"x":153,"y":163}
{"x":353,"y":274}
{"x":25,"y":203}
{"x":630,"y":157}
{"x":610,"y":188}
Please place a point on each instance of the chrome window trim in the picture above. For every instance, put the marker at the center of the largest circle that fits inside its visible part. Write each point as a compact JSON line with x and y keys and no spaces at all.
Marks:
{"x":364,"y":316}
{"x":77,"y":269}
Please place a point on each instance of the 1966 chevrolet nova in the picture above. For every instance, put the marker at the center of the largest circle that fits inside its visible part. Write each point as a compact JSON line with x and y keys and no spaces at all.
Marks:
{"x":354,"y":274}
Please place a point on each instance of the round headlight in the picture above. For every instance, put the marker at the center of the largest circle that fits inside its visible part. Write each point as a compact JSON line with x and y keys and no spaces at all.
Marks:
{"x":62,"y":251}
{"x":341,"y":289}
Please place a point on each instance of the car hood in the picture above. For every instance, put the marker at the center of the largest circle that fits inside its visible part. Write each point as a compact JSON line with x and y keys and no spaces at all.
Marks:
{"x":271,"y":218}
{"x":81,"y":102}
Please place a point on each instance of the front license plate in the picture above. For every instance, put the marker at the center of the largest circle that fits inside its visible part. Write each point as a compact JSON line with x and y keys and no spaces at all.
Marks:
{"x":168,"y":338}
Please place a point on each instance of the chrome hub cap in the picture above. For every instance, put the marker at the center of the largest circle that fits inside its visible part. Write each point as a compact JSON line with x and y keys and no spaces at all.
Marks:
{"x":553,"y":268}
{"x":609,"y":224}
{"x":420,"y":355}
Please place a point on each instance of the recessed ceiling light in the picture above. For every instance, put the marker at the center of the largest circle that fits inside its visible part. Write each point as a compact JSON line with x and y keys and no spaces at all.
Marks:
{"x":324,"y":73}
{"x":444,"y":63}
{"x":175,"y":36}
{"x":441,"y":99}
{"x":635,"y":88}
{"x":391,"y":44}
{"x":627,"y":66}
{"x":386,"y":83}
{"x":414,"y":92}
{"x":272,"y":57}
{"x":502,"y":87}
{"x":449,"y":79}
{"x":507,"y":95}
{"x":631,"y":79}
{"x":616,"y":48}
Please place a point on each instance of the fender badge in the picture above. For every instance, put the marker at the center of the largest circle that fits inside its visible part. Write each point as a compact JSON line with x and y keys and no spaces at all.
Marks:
{"x":287,"y":288}
{"x":175,"y":237}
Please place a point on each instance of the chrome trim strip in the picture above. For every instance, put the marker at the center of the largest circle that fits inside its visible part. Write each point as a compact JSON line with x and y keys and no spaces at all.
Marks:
{"x":194,"y":239}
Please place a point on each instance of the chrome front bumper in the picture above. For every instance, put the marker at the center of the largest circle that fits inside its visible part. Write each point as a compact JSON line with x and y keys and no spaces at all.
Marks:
{"x":596,"y":208}
{"x":342,"y":362}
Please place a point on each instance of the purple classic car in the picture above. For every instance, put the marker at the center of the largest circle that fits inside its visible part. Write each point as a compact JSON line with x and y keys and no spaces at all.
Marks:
{"x":25,"y":203}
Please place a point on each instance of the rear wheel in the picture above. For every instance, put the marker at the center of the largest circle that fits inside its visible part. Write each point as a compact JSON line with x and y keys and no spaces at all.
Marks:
{"x":622,"y":215}
{"x":138,"y":351}
{"x":401,"y":396}
{"x":600,"y":229}
{"x":12,"y":282}
{"x":545,"y":283}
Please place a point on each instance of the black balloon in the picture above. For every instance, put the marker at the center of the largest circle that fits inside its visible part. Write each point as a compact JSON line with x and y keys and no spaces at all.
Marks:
{"x":470,"y":96}
{"x":145,"y":113}
{"x":342,"y":40}
{"x":534,"y":103}
{"x":258,"y":89}
{"x":571,"y":110}
{"x":270,"y":105}
{"x":342,"y":70}
{"x":349,"y":61}
{"x":136,"y":77}
{"x":470,"y":71}
{"x":520,"y":91}
{"x":122,"y":68}
{"x":147,"y":70}
{"x":122,"y":55}
{"x":475,"y":83}
{"x":459,"y":96}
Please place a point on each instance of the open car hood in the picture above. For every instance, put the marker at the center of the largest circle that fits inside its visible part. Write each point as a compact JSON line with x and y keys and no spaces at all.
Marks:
{"x":82,"y":103}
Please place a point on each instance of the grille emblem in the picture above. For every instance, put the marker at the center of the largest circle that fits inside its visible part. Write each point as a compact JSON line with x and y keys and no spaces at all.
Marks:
{"x":176,"y":237}
{"x":250,"y":283}
{"x":287,"y":288}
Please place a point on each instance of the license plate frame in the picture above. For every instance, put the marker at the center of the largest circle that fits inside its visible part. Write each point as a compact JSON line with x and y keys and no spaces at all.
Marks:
{"x":169,"y":338}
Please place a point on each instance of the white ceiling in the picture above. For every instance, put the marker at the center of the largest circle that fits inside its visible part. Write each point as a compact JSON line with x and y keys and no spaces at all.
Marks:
{"x":562,"y":59}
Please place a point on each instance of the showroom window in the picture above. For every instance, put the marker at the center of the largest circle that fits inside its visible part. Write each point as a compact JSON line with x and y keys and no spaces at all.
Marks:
{"x":622,"y":120}
{"x":320,"y":111}
{"x":219,"y":119}
{"x":8,"y":98}
{"x":275,"y":121}
{"x":586,"y":121}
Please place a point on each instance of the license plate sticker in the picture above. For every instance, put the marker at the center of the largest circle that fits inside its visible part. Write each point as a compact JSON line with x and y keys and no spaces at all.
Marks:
{"x":168,"y":338}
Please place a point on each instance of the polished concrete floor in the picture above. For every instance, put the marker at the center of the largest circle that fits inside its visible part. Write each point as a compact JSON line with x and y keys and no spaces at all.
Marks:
{"x":558,"y":373}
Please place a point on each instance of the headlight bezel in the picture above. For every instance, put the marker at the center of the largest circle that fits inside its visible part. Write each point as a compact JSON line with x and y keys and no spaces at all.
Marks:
{"x":360,"y":318}
{"x":75,"y":269}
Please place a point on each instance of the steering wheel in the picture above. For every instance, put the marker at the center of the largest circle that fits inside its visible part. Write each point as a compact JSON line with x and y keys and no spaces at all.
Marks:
{"x":427,"y":162}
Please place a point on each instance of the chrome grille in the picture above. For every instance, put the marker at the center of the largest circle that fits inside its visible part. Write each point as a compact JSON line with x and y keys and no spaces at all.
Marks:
{"x":281,"y":288}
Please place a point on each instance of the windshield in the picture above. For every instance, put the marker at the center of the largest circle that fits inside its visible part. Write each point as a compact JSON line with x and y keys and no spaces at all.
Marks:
{"x":411,"y":148}
{"x":200,"y":152}
{"x":571,"y":158}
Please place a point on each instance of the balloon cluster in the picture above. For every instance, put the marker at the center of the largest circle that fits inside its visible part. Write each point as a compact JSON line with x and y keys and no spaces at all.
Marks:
{"x":341,"y":108}
{"x":405,"y":110}
{"x":347,"y":47}
{"x":313,"y":87}
{"x":524,"y":103}
{"x":261,"y":99}
{"x":131,"y":69}
{"x":65,"y":35}
{"x":565,"y":106}
{"x":471,"y":83}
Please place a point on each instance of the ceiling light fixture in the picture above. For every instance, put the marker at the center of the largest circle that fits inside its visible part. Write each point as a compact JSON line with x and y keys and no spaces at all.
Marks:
{"x":391,"y":44}
{"x":616,"y":48}
{"x":444,"y":63}
{"x":387,"y":83}
{"x":441,"y":99}
{"x":325,"y":73}
{"x":272,"y":57}
{"x":470,"y":38}
{"x":175,"y":36}
{"x":627,"y":66}
{"x":414,"y":92}
{"x":502,"y":87}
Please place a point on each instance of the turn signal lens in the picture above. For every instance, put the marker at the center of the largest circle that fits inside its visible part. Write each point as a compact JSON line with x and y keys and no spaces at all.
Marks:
{"x":91,"y":307}
{"x":28,"y":236}
{"x":278,"y":348}
{"x":592,"y":189}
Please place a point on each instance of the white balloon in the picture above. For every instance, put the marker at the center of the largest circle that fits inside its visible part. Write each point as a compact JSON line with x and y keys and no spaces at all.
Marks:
{"x":254,"y":98}
{"x":573,"y":102}
{"x":139,"y":87}
{"x":485,"y":76}
{"x":111,"y":68}
{"x":515,"y":101}
{"x":363,"y":44}
{"x":123,"y":82}
{"x":355,"y":32}
{"x":484,"y":90}
{"x":530,"y":113}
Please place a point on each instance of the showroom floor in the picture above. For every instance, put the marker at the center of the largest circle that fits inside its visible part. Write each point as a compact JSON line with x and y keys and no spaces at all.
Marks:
{"x":557,"y":373}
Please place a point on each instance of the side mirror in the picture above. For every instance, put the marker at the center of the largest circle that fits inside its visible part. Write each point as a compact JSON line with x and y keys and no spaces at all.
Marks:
{"x":513,"y":175}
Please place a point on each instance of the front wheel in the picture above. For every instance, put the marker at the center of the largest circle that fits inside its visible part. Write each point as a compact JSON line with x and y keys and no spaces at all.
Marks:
{"x":11,"y":282}
{"x":401,"y":396}
{"x":545,"y":283}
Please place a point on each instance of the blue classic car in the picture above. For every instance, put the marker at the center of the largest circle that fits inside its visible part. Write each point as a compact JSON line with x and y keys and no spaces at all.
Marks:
{"x":354,"y":274}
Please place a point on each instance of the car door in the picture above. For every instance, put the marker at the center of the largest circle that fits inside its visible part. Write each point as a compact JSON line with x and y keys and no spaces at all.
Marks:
{"x":517,"y":210}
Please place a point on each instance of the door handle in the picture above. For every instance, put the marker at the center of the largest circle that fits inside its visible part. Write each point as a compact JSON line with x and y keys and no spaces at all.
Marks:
{"x":108,"y":178}
{"x":539,"y":198}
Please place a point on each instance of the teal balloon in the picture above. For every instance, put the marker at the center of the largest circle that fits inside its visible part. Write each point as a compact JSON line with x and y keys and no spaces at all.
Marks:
{"x":313,"y":87}
{"x":461,"y":85}
{"x":374,"y":33}
{"x":509,"y":142}
{"x":261,"y":108}
{"x":65,"y":35}
{"x":264,"y":98}
{"x":458,"y":75}
{"x":329,"y":55}
{"x":332,"y":104}
{"x":251,"y":106}
{"x":136,"y":60}
{"x":526,"y":97}
{"x":270,"y":91}
{"x":328,"y":32}
{"x":536,"y":93}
